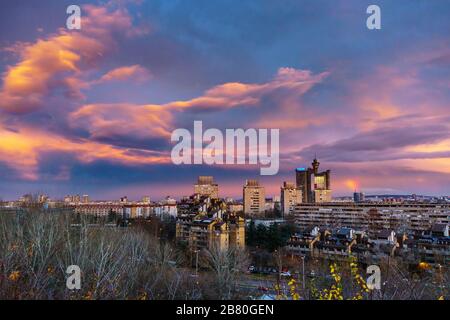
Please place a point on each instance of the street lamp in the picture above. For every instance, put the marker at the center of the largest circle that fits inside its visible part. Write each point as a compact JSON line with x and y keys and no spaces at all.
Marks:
{"x":303,"y":272}
{"x":196,"y":263}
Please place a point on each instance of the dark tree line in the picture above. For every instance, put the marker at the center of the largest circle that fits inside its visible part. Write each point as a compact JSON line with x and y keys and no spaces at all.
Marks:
{"x":269,"y":238}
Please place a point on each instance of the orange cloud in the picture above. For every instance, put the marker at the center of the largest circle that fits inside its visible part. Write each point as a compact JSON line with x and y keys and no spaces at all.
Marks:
{"x":235,"y":94}
{"x":156,"y":121}
{"x":21,"y":150}
{"x":379,"y":95}
{"x":441,"y":146}
{"x":59,"y":60}
{"x":106,"y":120}
{"x":134,"y":72}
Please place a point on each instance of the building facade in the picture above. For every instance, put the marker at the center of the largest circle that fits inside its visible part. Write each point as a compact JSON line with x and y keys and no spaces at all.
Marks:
{"x":314,"y":185}
{"x":201,"y":232}
{"x":372,"y":217}
{"x":290,"y":196}
{"x":127,"y":210}
{"x":254,"y":198}
{"x":206,"y":186}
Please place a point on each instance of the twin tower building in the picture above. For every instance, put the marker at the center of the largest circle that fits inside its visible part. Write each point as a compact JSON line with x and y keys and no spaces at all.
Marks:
{"x":314,"y":185}
{"x":311,"y":186}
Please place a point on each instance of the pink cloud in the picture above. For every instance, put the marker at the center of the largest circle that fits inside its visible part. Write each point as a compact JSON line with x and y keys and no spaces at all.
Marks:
{"x":134,"y":73}
{"x":21,"y":150}
{"x":235,"y":94}
{"x":153,"y":121}
{"x":60,"y":61}
{"x":107,"y":120}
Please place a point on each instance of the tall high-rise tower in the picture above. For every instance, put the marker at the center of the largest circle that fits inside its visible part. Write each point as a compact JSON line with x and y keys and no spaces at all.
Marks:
{"x":290,"y":196}
{"x":254,"y":198}
{"x":315,"y":185}
{"x":303,"y":182}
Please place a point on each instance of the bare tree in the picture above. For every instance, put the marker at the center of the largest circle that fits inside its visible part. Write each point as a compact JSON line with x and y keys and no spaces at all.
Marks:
{"x":226,"y":266}
{"x":116,"y":263}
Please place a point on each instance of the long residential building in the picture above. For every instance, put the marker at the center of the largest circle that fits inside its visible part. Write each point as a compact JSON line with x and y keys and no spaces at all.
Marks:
{"x":131,"y":210}
{"x":403,"y":217}
{"x":144,"y":209}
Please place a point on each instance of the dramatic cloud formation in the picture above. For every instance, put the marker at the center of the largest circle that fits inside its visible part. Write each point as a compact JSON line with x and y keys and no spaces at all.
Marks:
{"x":99,"y":104}
{"x":235,"y":94}
{"x":124,"y":120}
{"x":60,"y":61}
{"x":391,"y":137}
{"x":22,"y":150}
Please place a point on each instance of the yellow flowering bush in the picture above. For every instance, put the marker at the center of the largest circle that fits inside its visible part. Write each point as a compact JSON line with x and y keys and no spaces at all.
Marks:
{"x":14,"y":276}
{"x":293,"y":289}
{"x":335,"y":291}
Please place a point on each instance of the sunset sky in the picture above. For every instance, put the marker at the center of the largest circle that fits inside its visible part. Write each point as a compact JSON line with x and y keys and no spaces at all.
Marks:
{"x":91,"y":111}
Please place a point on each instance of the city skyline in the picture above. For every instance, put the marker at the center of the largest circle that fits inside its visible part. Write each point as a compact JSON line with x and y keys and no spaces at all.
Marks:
{"x":207,"y":185}
{"x":90,"y":111}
